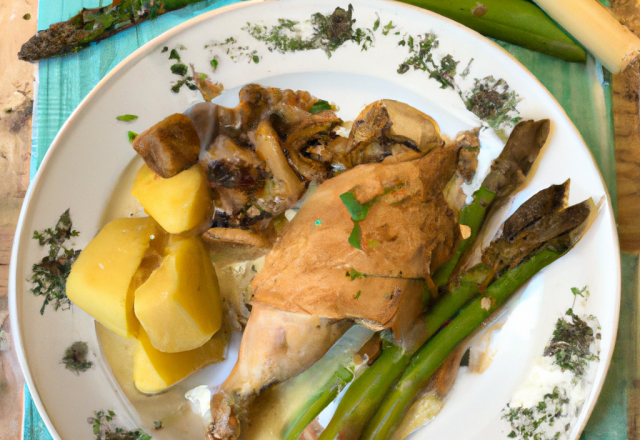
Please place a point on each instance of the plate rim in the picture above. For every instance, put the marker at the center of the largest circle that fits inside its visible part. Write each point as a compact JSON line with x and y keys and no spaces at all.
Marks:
{"x":144,"y":51}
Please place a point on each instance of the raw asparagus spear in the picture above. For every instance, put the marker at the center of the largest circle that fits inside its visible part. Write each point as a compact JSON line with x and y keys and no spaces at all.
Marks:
{"x":514,"y":21}
{"x":431,"y":355}
{"x":93,"y":25}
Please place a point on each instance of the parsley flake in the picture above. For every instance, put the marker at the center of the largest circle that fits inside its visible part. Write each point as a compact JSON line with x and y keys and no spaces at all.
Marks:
{"x":132,"y":136}
{"x":126,"y":118}
{"x":75,"y":358}
{"x":319,"y":105}
{"x":103,"y":430}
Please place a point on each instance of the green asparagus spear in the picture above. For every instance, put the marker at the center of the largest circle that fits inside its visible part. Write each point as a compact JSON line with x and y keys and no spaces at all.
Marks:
{"x":513,"y":164}
{"x":348,"y":422}
{"x":515,"y":21}
{"x":431,"y":355}
{"x":93,"y":25}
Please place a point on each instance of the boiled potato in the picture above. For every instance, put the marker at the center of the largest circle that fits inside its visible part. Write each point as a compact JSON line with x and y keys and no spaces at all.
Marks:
{"x":100,"y":282}
{"x":178,"y":203}
{"x":154,"y":370}
{"x":179,"y":305}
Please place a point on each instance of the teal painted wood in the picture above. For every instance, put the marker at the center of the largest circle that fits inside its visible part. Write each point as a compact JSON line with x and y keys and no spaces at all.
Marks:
{"x":609,"y":420}
{"x":33,"y":426}
{"x":65,"y":81}
{"x":584,"y":91}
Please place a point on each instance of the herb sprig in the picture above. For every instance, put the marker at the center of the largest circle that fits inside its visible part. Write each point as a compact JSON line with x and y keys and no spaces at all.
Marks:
{"x":50,"y":275}
{"x":75,"y":358}
{"x":103,"y":429}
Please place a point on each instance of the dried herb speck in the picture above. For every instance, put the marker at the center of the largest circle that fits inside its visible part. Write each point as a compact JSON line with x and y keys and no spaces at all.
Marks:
{"x":75,"y":358}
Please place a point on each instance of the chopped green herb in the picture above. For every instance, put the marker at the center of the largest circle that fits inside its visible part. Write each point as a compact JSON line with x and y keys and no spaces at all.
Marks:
{"x":256,"y":59}
{"x":357,"y":210}
{"x":103,"y":430}
{"x":356,"y":236}
{"x":387,"y":28}
{"x":354,"y":274}
{"x":492,"y":101}
{"x":126,"y":118}
{"x":50,"y":275}
{"x":376,"y":25}
{"x":571,"y":344}
{"x":330,"y":32}
{"x":157,"y":424}
{"x":26,"y":16}
{"x":75,"y":357}
{"x":181,"y":47}
{"x":465,"y":72}
{"x":357,"y":295}
{"x":164,"y":49}
{"x":214,"y":64}
{"x":578,"y":292}
{"x":179,"y":69}
{"x":319,"y":105}
{"x":173,"y":55}
{"x":132,"y":136}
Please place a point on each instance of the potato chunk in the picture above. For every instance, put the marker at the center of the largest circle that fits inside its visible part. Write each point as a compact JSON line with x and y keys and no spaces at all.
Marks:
{"x":179,"y":305}
{"x":154,"y":370}
{"x":179,"y":203}
{"x":100,"y":279}
{"x":170,"y":146}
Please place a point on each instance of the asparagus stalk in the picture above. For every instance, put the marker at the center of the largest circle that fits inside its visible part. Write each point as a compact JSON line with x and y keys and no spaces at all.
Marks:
{"x":515,"y":21}
{"x":93,"y":25}
{"x":349,"y":421}
{"x":613,"y":44}
{"x":512,"y":165}
{"x":285,"y":410}
{"x":431,"y":355}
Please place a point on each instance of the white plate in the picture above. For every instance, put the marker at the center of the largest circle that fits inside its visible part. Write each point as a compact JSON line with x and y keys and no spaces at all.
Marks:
{"x":89,"y":156}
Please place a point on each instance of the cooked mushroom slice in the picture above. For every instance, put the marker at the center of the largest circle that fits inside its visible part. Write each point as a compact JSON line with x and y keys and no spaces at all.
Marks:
{"x":284,"y":188}
{"x":388,"y":127}
{"x":302,"y":131}
{"x":235,"y":173}
{"x":228,"y":245}
{"x":170,"y":146}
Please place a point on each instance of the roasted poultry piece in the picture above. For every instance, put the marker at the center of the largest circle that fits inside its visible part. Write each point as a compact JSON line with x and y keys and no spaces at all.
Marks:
{"x":316,"y":275}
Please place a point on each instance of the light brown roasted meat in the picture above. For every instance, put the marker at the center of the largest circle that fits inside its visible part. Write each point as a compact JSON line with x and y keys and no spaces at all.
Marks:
{"x":409,"y":230}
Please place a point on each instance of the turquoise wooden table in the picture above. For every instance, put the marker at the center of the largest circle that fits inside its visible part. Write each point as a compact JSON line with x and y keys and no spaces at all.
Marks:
{"x":583,"y":90}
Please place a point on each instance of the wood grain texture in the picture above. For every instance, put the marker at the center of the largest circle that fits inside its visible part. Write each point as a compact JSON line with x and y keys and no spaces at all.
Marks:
{"x":627,"y":136}
{"x":16,"y":104}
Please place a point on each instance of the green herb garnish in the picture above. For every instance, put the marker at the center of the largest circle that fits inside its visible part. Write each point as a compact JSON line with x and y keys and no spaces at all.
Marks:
{"x":132,"y":136}
{"x":214,"y":64}
{"x":492,"y":101}
{"x":126,"y":118}
{"x":50,"y":275}
{"x":356,"y":236}
{"x":387,"y":28}
{"x":26,"y":16}
{"x":103,"y":430}
{"x":164,"y":49}
{"x":319,"y":105}
{"x":179,"y":69}
{"x":330,"y":32}
{"x":357,"y":295}
{"x":376,"y":25}
{"x":158,"y":424}
{"x":357,"y":210}
{"x":75,"y":358}
{"x":174,"y":55}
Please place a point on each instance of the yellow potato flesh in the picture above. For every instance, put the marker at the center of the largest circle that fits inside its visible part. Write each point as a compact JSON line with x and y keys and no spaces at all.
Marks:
{"x":179,"y":305}
{"x":178,"y":203}
{"x":100,"y":282}
{"x":154,"y":370}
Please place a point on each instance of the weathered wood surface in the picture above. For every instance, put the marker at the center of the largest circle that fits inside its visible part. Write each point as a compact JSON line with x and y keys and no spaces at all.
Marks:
{"x":16,"y":103}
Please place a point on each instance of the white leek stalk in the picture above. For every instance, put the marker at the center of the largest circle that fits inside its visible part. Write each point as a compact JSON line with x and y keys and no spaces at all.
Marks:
{"x":614,"y":45}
